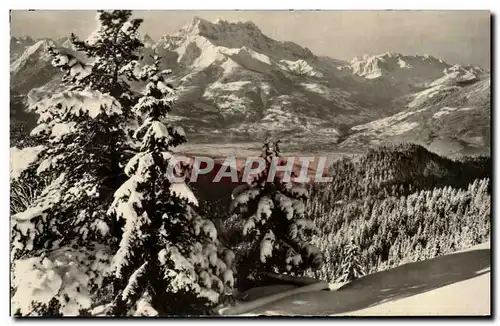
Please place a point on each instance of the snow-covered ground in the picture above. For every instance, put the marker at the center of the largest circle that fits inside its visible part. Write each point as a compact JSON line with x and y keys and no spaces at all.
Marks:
{"x":407,"y":68}
{"x":468,"y":297}
{"x":471,"y":297}
{"x":453,"y":284}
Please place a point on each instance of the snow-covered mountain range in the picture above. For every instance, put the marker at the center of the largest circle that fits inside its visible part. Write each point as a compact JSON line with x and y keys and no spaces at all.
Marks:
{"x":450,"y":115}
{"x":236,"y":84}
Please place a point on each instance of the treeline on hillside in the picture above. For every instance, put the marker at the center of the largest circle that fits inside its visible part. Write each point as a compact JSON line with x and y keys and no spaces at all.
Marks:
{"x":397,"y":205}
{"x":381,"y":172}
{"x":399,"y":170}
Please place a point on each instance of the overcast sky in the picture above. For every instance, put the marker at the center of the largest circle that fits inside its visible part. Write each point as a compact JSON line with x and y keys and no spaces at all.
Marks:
{"x":455,"y":36}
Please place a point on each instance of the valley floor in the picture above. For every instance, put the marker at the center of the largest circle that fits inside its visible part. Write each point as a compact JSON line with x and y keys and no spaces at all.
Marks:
{"x":453,"y":284}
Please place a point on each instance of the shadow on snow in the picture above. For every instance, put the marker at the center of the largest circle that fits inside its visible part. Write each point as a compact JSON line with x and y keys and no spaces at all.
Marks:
{"x":397,"y":283}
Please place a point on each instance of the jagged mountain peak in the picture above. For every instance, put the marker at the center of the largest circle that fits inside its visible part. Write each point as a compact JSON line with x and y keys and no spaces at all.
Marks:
{"x":222,"y":31}
{"x":147,"y":41}
{"x":403,"y":60}
{"x":212,"y":36}
{"x":417,"y":70}
{"x":38,"y":50}
{"x":395,"y":55}
{"x":22,"y":39}
{"x":398,"y":67}
{"x":63,"y":39}
{"x":219,"y":26}
{"x":464,"y":68}
{"x":459,"y":75}
{"x":33,"y":67}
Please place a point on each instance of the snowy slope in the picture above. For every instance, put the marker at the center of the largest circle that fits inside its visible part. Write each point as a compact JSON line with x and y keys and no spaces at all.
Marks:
{"x":453,"y":284}
{"x":468,"y":297}
{"x":36,"y":52}
{"x":147,"y":41}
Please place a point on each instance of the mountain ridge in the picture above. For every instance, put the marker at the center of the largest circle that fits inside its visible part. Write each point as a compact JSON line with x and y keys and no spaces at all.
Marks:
{"x":236,"y":83}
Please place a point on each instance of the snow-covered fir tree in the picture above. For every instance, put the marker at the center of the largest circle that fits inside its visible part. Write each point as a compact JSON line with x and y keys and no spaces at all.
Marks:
{"x":352,"y":267}
{"x":61,"y":242}
{"x":113,"y":49}
{"x":168,"y":262}
{"x":268,"y":227}
{"x":112,"y":52}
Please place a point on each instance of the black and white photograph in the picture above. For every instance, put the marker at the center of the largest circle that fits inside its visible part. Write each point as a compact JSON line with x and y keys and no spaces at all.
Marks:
{"x":250,"y":163}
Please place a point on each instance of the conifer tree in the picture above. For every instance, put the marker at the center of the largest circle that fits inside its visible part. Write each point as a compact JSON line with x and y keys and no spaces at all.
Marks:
{"x":66,"y":223}
{"x":268,"y":218}
{"x":352,"y":268}
{"x":168,"y":259}
{"x":61,"y":242}
{"x":435,"y":249}
{"x":113,"y":48}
